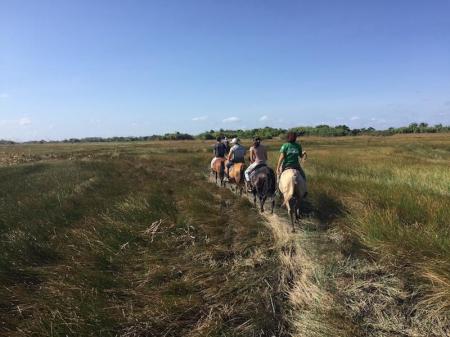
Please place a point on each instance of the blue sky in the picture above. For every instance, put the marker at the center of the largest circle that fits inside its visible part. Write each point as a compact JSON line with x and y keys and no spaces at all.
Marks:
{"x":103,"y":68}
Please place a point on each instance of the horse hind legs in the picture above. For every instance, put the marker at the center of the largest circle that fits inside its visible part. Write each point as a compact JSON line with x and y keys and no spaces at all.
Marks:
{"x":292,"y":215}
{"x":262,"y":202}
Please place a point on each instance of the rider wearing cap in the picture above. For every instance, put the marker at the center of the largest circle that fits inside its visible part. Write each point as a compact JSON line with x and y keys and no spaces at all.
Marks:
{"x":236,"y":155}
{"x":257,"y":156}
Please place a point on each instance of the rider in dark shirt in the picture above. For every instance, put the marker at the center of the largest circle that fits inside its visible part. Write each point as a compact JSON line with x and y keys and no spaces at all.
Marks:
{"x":220,"y":150}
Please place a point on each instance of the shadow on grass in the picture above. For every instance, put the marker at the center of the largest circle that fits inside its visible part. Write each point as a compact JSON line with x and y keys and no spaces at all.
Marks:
{"x":327,"y":209}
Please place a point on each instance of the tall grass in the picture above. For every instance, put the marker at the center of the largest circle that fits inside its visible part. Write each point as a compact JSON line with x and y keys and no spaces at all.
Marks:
{"x":389,"y":197}
{"x":130,"y":241}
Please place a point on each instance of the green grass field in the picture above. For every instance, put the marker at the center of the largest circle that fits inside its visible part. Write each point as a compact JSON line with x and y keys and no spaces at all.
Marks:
{"x":130,"y":239}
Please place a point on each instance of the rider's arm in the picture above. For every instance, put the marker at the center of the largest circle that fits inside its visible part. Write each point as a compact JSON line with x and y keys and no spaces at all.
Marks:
{"x":251,"y":156}
{"x":280,"y":161}
{"x":304,"y":155}
{"x":230,"y":154}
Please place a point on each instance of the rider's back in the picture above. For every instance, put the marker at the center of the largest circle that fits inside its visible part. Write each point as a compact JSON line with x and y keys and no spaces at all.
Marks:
{"x":238,"y":153}
{"x":260,"y":154}
{"x":292,"y":151}
{"x":220,"y":150}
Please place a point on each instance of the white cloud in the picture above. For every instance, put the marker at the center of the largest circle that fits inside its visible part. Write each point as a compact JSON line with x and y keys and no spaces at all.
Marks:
{"x":4,"y":95}
{"x":231,"y":120}
{"x":354,"y":118}
{"x":263,"y":118}
{"x":378,"y":120}
{"x":24,"y":121}
{"x":94,"y":121}
{"x":200,"y":118}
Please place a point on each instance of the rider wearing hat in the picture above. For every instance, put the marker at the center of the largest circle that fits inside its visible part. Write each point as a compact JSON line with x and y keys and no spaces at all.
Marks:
{"x":236,"y":155}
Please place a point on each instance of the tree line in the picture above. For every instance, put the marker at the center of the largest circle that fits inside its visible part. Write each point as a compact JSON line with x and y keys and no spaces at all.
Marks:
{"x":322,"y":130}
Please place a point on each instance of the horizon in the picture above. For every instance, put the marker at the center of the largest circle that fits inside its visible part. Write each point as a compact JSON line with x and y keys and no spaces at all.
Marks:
{"x":106,"y":68}
{"x":222,"y":131}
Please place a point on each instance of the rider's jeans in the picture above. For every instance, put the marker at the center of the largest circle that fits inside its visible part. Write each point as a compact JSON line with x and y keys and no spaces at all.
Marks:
{"x":249,"y":170}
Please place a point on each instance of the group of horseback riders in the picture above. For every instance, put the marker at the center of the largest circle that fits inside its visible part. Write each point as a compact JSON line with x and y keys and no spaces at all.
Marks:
{"x":290,"y":155}
{"x":258,"y":178}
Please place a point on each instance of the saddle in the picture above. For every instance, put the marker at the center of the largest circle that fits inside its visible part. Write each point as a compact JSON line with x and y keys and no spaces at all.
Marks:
{"x":257,"y":167}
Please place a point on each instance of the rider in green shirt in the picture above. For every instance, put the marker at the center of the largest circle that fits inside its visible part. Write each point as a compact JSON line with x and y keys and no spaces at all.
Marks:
{"x":290,"y":155}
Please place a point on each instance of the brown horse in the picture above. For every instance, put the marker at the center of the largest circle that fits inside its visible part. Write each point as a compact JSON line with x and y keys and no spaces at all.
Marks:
{"x":218,"y":169}
{"x":293,"y":187}
{"x":236,"y":176}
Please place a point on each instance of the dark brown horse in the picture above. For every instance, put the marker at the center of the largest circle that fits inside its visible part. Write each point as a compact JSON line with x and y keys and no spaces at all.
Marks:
{"x":263,"y":181}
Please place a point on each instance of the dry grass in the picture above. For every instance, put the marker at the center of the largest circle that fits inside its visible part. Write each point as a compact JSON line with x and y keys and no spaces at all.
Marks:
{"x":128,"y":242}
{"x":141,"y":258}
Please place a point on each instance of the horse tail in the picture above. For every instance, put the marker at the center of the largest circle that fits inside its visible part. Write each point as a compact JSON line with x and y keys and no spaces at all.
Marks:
{"x":271,"y":181}
{"x":262,"y":185}
{"x":222,"y":169}
{"x":289,"y":188}
{"x":241,"y":173}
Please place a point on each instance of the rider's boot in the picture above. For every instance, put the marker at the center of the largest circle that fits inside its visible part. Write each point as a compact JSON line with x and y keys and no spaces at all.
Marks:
{"x":248,"y":186}
{"x":226,"y":176}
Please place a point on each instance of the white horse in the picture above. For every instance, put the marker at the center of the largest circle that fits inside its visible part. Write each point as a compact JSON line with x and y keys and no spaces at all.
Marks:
{"x":293,"y":187}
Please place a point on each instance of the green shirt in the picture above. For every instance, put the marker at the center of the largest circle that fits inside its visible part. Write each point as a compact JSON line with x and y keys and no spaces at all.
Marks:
{"x":292,"y":152}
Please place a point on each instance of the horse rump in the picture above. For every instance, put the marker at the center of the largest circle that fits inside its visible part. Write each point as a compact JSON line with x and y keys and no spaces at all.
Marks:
{"x":263,"y":185}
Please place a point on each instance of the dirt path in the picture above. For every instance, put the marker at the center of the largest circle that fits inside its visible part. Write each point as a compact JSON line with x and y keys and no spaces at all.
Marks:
{"x":310,"y":310}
